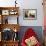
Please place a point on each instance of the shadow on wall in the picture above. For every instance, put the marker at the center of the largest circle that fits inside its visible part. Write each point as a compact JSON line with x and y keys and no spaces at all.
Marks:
{"x":37,"y":29}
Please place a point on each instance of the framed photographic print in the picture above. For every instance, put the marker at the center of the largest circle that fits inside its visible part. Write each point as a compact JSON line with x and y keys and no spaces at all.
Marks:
{"x":13,"y":12}
{"x":5,"y":12}
{"x":30,"y":14}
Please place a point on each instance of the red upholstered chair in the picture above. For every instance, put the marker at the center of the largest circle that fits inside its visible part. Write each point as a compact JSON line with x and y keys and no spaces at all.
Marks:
{"x":29,"y":33}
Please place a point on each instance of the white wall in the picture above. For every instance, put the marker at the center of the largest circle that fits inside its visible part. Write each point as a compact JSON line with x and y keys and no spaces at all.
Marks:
{"x":33,"y":4}
{"x":27,"y":4}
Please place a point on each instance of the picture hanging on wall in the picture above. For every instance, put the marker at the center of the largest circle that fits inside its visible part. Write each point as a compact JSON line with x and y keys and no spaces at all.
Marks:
{"x":30,"y":14}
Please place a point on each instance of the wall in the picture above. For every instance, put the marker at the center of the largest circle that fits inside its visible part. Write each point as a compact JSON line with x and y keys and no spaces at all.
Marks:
{"x":27,"y":4}
{"x":32,"y":4}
